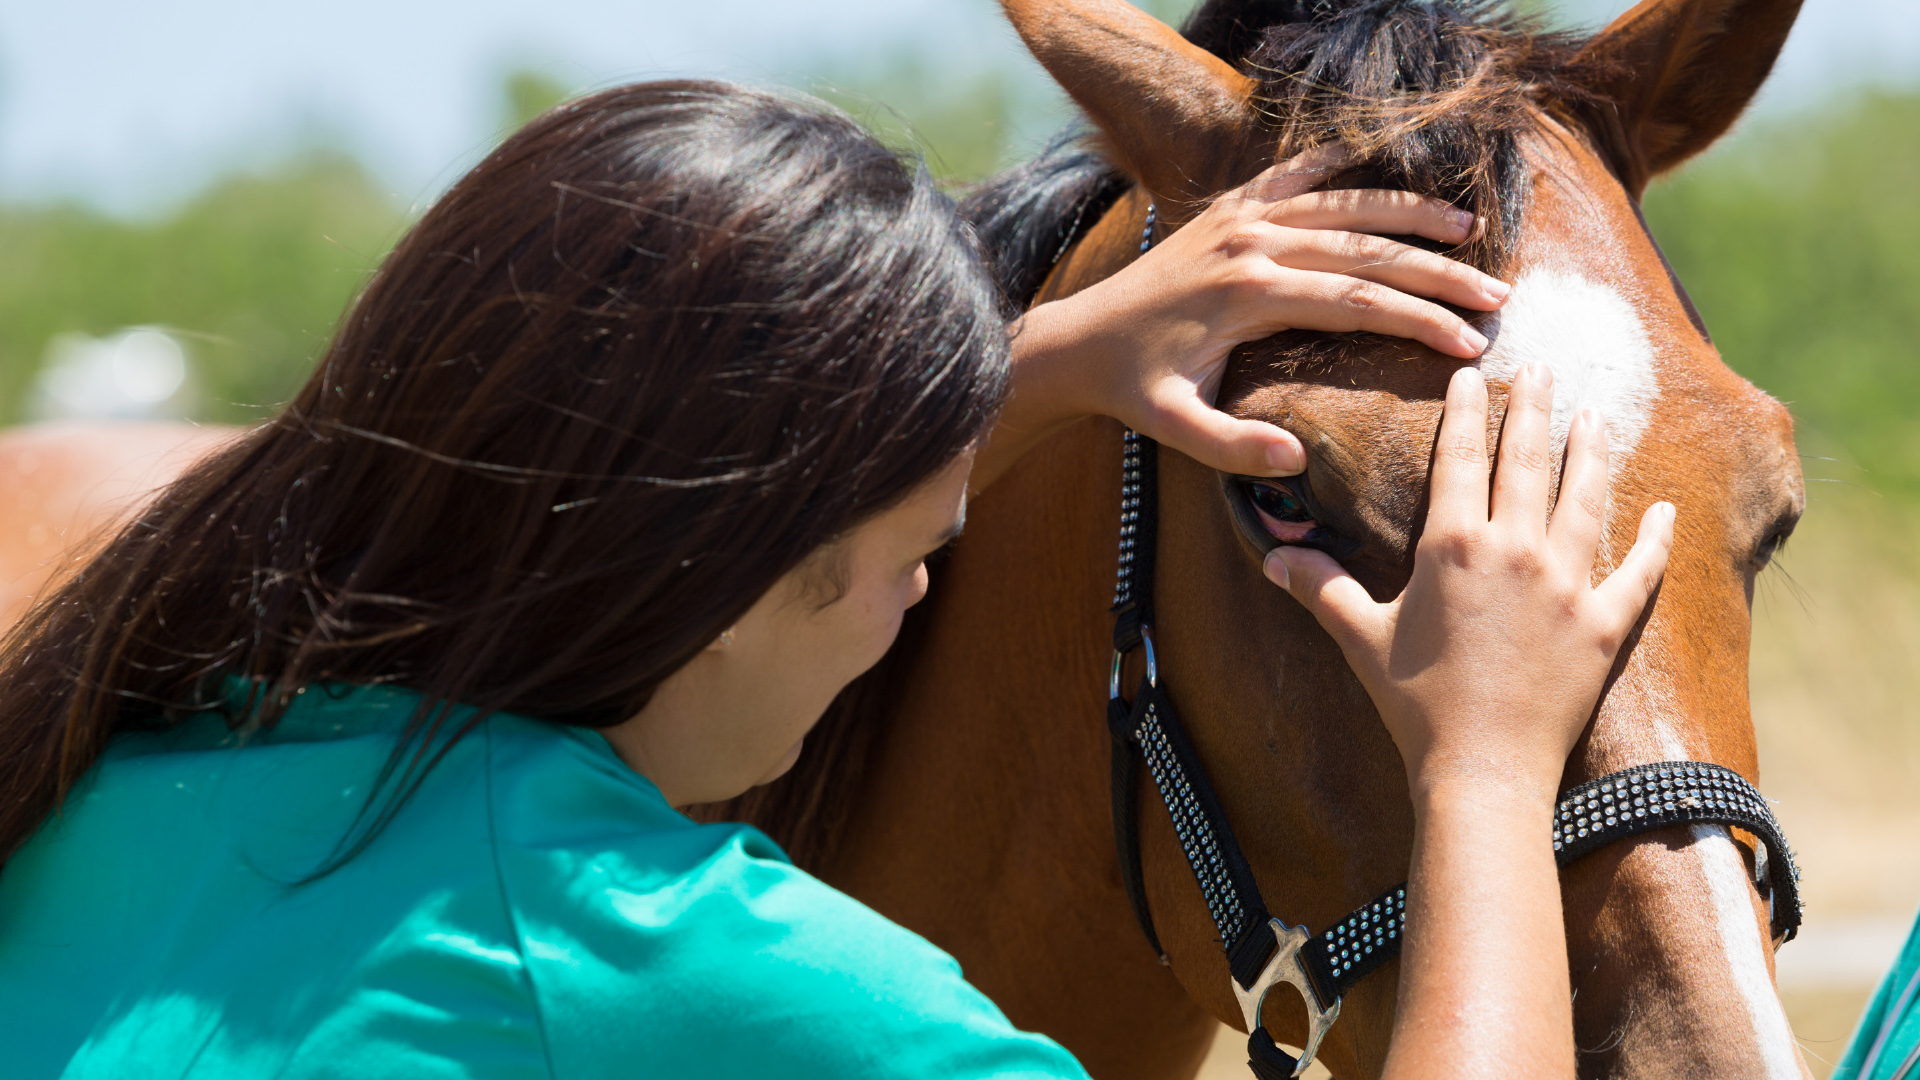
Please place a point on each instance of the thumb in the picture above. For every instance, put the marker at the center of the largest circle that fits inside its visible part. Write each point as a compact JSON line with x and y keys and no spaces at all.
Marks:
{"x":1227,"y":443}
{"x":1324,"y":588}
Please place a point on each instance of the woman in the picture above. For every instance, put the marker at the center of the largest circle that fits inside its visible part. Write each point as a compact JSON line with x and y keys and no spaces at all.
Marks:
{"x":1886,"y":1045}
{"x":357,"y":754}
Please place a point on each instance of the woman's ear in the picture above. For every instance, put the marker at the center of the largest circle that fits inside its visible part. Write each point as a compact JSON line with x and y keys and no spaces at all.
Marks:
{"x":1176,"y":117}
{"x":1680,"y":72}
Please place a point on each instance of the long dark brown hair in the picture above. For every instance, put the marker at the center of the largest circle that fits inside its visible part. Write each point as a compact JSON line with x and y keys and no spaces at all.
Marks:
{"x":659,"y":347}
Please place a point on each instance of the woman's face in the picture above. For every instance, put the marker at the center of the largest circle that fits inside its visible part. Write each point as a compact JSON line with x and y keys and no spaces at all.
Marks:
{"x":734,"y":717}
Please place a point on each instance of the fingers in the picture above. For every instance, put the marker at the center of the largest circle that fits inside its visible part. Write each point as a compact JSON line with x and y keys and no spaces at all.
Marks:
{"x":1525,"y":471}
{"x":1298,"y":174}
{"x":1458,"y":489}
{"x":1227,"y":443}
{"x":1626,"y":591}
{"x":1581,"y":511}
{"x":1338,"y":303}
{"x":1324,"y":588}
{"x":1383,"y":213}
{"x":1386,"y":262}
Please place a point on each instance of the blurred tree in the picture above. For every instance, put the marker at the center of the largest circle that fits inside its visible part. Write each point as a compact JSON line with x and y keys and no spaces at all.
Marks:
{"x":528,"y":92}
{"x":963,"y":130}
{"x":252,"y":274}
{"x":1800,"y":243}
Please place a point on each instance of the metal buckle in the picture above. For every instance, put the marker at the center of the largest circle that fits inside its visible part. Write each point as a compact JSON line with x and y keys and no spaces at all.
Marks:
{"x":1285,"y":966}
{"x":1153,"y":666}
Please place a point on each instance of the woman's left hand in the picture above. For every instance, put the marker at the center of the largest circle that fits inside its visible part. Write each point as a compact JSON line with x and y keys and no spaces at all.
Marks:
{"x":1149,"y":344}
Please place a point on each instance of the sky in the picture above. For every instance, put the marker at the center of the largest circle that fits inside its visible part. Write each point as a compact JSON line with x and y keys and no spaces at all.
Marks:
{"x":129,"y":104}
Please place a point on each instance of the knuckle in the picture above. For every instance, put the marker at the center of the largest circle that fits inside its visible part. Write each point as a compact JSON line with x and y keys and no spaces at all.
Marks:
{"x":1450,"y":543}
{"x":1611,"y":636}
{"x":1359,"y":247}
{"x":1522,"y":557}
{"x":1249,"y":237}
{"x":1361,"y":297}
{"x":1528,"y":458}
{"x":1461,"y":451}
{"x":1592,"y":503}
{"x":1254,"y":279}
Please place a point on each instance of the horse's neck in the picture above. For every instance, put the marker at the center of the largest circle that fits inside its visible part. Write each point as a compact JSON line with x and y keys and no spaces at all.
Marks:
{"x":986,"y":825}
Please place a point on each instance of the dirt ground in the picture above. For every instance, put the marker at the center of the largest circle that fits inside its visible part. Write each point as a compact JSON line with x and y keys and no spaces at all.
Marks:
{"x":1836,"y":702}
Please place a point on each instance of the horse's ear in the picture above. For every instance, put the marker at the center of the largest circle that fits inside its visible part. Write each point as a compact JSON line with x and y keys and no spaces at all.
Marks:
{"x":1176,"y":117}
{"x":1680,"y":73}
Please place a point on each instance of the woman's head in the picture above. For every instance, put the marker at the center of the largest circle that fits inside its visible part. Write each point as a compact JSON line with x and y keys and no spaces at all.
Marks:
{"x":654,"y":353}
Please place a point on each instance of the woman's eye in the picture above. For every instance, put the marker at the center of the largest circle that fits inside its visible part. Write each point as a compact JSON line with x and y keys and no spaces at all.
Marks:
{"x":1278,"y":502}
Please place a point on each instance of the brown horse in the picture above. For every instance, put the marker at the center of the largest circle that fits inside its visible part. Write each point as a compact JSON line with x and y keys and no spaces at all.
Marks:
{"x":962,"y":788}
{"x":65,"y":486}
{"x":978,"y":812}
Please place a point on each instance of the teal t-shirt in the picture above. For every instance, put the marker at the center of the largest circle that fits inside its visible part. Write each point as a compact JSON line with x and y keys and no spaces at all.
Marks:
{"x":1886,"y":1046}
{"x":535,"y":909}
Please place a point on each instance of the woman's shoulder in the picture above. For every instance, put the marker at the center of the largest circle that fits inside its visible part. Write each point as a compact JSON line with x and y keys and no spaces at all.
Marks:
{"x":701,"y":949}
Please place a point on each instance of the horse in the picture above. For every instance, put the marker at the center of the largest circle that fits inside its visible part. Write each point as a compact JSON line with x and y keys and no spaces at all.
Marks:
{"x":65,"y":485}
{"x":962,"y":788}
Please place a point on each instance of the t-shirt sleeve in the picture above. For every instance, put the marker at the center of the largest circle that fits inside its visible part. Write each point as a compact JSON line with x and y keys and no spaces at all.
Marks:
{"x":745,"y":966}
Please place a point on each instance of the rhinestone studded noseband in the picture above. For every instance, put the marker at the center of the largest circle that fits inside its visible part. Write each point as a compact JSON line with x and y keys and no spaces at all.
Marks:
{"x":1263,"y":951}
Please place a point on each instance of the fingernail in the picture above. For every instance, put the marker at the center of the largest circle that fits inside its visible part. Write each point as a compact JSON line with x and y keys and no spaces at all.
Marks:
{"x":1473,"y":340}
{"x":1276,"y":568}
{"x":1460,"y":219}
{"x":1667,"y":511}
{"x":1287,"y":457}
{"x":1496,"y":289}
{"x":1590,"y":417}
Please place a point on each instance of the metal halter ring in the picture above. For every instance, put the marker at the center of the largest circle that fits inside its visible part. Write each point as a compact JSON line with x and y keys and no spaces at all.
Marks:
{"x":1153,"y":666}
{"x":1285,"y":966}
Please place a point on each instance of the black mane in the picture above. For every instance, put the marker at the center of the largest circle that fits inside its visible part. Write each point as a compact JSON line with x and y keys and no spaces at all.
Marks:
{"x":1430,"y":94}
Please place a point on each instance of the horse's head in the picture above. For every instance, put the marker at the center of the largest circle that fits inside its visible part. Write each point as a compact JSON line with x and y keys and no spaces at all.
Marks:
{"x":1551,"y":140}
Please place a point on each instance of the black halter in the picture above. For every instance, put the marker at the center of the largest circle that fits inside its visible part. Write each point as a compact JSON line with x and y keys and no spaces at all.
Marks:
{"x":1263,"y":951}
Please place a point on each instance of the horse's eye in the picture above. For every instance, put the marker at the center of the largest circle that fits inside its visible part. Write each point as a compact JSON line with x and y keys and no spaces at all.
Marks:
{"x":1278,"y":502}
{"x":1770,"y":545}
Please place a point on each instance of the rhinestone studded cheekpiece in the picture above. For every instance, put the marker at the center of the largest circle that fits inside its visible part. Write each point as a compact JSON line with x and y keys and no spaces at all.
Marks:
{"x":1190,"y":824}
{"x":1130,"y":465}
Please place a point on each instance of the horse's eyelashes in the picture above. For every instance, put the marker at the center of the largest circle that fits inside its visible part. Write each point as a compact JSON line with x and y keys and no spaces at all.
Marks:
{"x":1773,"y":542}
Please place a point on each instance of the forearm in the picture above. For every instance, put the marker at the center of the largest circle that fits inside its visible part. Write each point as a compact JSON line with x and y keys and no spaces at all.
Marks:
{"x":1049,"y":388}
{"x":1484,"y":988}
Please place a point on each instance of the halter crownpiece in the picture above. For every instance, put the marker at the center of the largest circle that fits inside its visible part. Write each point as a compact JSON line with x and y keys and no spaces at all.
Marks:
{"x":1263,"y":951}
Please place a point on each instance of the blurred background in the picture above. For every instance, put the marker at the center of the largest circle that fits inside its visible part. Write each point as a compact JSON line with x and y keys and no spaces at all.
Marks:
{"x":190,"y":192}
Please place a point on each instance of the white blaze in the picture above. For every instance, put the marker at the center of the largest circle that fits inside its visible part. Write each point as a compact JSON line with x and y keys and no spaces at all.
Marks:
{"x":1593,"y":341}
{"x":1745,"y":951}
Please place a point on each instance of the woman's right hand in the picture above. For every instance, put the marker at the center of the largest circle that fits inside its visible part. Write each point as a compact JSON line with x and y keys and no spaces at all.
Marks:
{"x":1486,"y":668}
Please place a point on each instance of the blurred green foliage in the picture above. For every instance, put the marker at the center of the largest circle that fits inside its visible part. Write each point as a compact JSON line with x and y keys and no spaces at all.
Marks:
{"x":251,"y":274}
{"x":528,"y":92}
{"x":1800,"y":243}
{"x":1799,"y":240}
{"x":964,"y":135}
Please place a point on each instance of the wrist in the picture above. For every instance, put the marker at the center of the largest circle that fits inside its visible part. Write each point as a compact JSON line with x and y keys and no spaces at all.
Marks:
{"x":1482,"y":793}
